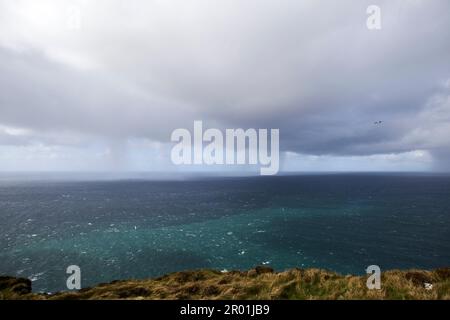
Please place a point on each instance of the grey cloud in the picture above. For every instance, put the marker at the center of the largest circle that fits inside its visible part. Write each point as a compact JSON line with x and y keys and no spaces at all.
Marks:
{"x":310,"y":68}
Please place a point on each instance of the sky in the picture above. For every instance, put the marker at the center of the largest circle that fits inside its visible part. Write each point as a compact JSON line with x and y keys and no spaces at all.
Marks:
{"x":101,"y":85}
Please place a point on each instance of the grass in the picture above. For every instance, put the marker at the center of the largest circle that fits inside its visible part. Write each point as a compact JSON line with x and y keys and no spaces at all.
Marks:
{"x":258,"y":283}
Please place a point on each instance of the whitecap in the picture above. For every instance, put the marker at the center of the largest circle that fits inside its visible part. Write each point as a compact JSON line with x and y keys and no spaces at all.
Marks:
{"x":36,"y":276}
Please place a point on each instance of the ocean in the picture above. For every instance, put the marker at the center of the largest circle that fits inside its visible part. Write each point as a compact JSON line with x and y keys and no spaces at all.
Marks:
{"x":123,"y":229}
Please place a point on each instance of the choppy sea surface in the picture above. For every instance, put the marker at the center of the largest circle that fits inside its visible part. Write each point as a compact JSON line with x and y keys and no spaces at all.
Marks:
{"x":139,"y":228}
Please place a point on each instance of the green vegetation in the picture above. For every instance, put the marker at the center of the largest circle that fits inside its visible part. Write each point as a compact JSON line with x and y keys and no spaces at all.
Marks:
{"x":258,"y":283}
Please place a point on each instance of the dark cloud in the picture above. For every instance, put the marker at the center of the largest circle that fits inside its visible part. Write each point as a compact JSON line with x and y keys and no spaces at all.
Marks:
{"x":312,"y":69}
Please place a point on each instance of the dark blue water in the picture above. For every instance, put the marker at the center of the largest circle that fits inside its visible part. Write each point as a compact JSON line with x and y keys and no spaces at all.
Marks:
{"x":139,"y":229}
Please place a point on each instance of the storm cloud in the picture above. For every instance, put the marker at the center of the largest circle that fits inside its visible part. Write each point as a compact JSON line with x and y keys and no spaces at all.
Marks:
{"x":90,"y":75}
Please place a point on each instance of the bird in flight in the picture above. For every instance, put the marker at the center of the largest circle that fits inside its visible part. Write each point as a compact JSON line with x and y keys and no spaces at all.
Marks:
{"x":378,"y":122}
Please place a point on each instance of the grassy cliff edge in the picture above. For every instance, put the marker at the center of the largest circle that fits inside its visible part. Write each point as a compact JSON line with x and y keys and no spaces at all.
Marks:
{"x":258,"y":283}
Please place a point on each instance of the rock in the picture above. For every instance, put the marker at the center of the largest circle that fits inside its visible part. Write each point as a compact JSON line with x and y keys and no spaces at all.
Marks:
{"x":15,"y":285}
{"x":263,"y":269}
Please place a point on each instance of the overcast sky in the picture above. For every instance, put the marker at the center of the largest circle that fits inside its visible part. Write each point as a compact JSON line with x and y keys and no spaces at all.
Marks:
{"x":100,"y":85}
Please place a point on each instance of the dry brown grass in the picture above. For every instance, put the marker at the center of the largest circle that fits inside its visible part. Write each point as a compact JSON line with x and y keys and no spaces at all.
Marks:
{"x":258,"y":283}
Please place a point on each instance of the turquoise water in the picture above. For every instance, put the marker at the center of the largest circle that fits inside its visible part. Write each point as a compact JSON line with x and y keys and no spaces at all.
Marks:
{"x":138,"y":229}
